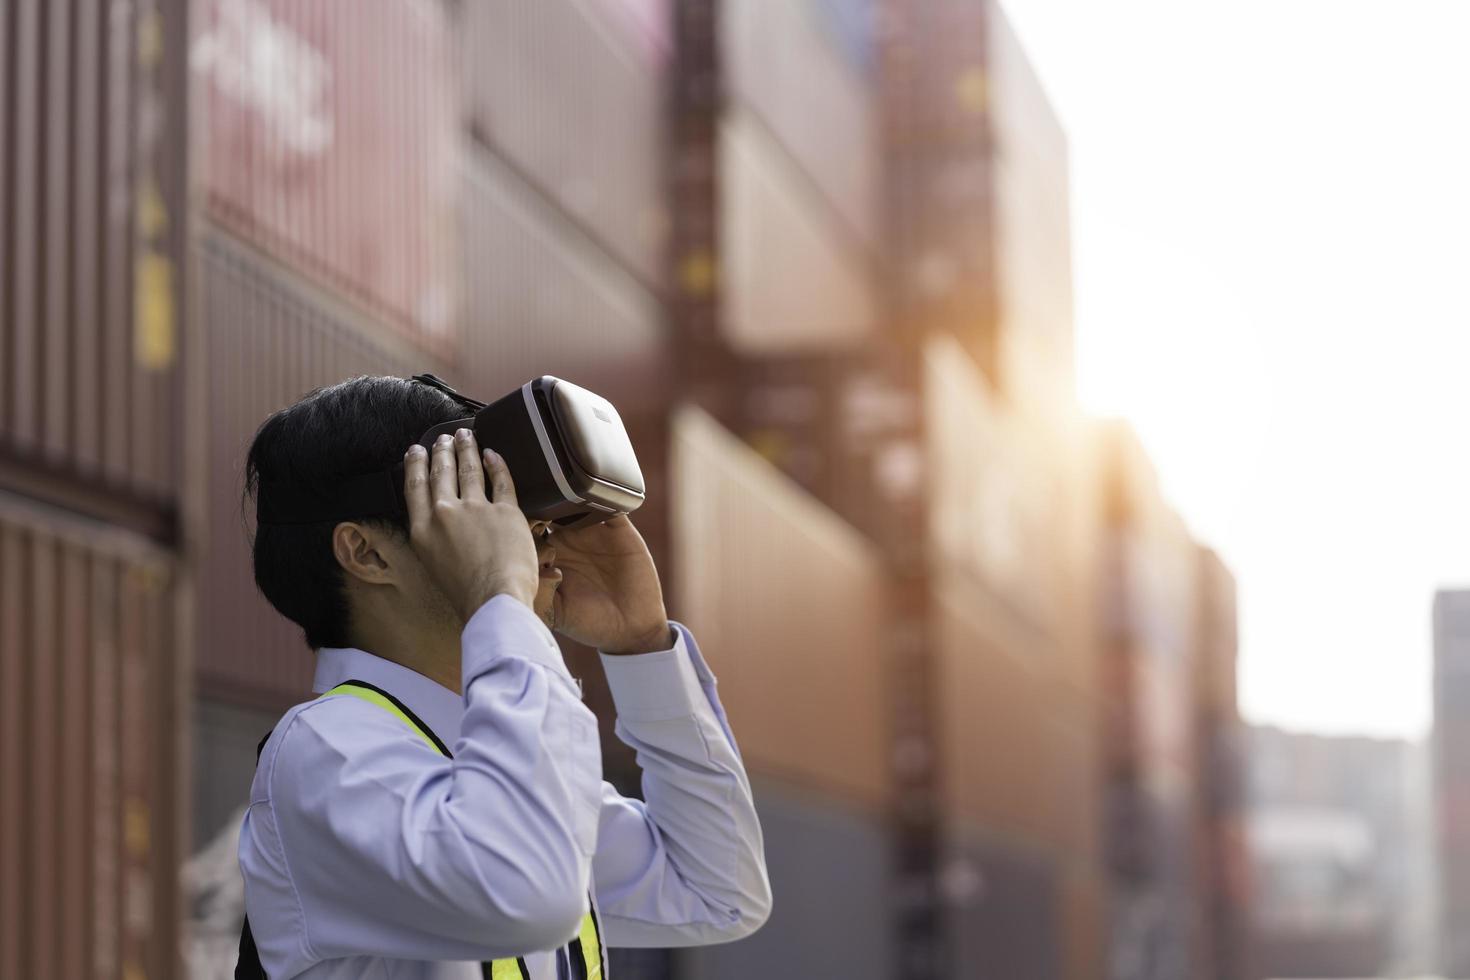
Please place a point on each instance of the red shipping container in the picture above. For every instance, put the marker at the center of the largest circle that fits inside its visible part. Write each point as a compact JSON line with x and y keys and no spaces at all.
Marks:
{"x":331,"y":140}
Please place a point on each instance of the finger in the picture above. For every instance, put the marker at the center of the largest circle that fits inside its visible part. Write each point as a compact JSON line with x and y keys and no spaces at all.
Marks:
{"x":443,"y":483}
{"x":471,"y":473}
{"x":416,"y":486}
{"x":502,"y":487}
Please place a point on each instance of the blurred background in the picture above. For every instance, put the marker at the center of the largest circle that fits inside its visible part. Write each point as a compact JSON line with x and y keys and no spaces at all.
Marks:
{"x":1050,"y":411}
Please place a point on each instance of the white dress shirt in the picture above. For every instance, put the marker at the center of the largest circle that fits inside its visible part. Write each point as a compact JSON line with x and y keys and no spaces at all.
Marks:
{"x":367,"y":853}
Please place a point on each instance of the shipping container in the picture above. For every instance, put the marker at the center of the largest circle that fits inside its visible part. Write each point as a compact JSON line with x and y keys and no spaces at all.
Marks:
{"x":89,"y":273}
{"x":1032,"y":231}
{"x":1225,"y":900}
{"x":788,"y":603}
{"x":785,"y":66}
{"x":1005,"y":908}
{"x":570,"y":94}
{"x":1016,"y":746}
{"x":1003,"y":517}
{"x":89,"y":787}
{"x":1149,"y":645}
{"x":273,"y":338}
{"x":940,"y":188}
{"x":828,"y":865}
{"x":331,"y":140}
{"x":543,"y":298}
{"x":789,"y":281}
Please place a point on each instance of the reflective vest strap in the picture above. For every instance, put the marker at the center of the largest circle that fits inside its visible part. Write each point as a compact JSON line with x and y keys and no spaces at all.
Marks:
{"x":390,"y":704}
{"x":506,"y":970}
{"x":588,"y":947}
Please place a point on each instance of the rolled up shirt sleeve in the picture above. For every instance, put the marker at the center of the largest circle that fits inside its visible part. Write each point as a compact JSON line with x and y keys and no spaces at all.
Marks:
{"x":393,"y":850}
{"x":686,"y":867}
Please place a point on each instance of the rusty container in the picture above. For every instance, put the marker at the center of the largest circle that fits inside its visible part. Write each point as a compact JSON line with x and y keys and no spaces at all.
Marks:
{"x":331,"y":132}
{"x":90,"y":281}
{"x":786,"y":600}
{"x":569,"y":94}
{"x":89,"y":783}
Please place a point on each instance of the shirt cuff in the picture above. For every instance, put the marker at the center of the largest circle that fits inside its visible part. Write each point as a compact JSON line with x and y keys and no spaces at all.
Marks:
{"x":505,"y":627}
{"x":656,"y":686}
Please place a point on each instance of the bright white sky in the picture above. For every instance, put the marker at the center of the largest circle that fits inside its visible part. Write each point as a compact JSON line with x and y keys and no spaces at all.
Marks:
{"x":1271,"y":211}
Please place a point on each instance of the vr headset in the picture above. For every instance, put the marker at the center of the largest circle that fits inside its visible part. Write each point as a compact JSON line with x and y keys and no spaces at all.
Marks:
{"x":566,"y":449}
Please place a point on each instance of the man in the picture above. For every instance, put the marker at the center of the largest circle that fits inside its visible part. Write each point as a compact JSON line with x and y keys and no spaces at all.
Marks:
{"x":440,"y":810}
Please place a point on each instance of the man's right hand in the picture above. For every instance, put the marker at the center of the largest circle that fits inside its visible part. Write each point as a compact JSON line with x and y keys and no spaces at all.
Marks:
{"x":474,"y":548}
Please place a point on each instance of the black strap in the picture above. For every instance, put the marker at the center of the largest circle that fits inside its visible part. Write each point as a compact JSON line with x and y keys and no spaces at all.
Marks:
{"x":247,"y":966}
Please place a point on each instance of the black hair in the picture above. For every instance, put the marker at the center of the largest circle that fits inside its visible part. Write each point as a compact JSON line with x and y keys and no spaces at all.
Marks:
{"x":358,"y":426}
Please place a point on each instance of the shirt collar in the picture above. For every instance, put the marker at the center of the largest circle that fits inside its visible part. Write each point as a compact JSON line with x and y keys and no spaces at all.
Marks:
{"x":438,"y":707}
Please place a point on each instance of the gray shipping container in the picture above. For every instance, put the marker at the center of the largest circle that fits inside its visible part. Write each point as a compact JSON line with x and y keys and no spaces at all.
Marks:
{"x":828,"y":864}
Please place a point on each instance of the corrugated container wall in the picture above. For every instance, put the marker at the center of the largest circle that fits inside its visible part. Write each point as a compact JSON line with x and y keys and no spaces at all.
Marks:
{"x":1017,"y":701}
{"x":89,"y":256}
{"x":331,"y":140}
{"x":939,"y":141}
{"x":1032,"y":232}
{"x":1225,"y":898}
{"x":1148,"y":591}
{"x":273,"y":337}
{"x":88,"y":776}
{"x":798,"y":196}
{"x":788,"y":601}
{"x":569,"y":93}
{"x":92,"y":194}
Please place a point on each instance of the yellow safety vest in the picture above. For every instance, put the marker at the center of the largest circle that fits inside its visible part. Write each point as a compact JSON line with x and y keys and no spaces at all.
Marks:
{"x":585,"y":950}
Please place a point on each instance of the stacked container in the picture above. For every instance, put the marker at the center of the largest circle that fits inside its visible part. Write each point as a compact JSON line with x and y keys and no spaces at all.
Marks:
{"x":93,"y":591}
{"x":1018,"y":702}
{"x":787,"y":601}
{"x":1148,"y":575}
{"x":1224,"y":896}
{"x":823,"y":271}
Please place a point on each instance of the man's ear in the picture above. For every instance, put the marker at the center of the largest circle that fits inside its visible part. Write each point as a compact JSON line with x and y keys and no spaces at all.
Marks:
{"x":360,"y":550}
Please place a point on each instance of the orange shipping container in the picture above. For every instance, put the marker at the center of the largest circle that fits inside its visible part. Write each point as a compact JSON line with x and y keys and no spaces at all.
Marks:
{"x":90,"y":704}
{"x":788,"y":603}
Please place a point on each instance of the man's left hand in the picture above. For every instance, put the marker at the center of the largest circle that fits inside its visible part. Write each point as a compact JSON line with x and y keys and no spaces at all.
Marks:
{"x":609,"y":597}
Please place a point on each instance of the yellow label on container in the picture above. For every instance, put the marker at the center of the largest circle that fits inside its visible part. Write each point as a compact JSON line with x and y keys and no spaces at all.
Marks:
{"x":136,"y":832}
{"x":153,"y":311}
